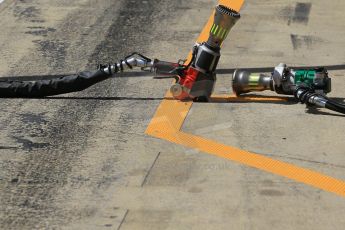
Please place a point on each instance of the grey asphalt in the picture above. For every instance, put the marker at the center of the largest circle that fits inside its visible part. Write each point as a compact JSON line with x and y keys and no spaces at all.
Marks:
{"x":83,"y":161}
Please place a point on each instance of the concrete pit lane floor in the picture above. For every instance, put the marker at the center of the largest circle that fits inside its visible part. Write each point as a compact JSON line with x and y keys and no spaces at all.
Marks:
{"x":83,"y":160}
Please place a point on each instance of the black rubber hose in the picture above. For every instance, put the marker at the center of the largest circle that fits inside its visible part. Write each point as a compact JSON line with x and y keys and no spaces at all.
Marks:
{"x":44,"y":88}
{"x":304,"y":94}
{"x":332,"y":105}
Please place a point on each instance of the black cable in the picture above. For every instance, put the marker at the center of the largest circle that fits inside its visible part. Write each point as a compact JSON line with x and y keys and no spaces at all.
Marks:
{"x":332,"y":105}
{"x":61,"y":85}
{"x":44,"y":88}
{"x":307,"y":93}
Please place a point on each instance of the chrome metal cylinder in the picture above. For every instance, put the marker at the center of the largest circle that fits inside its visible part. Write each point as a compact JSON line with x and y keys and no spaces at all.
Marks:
{"x":245,"y":82}
{"x":224,"y":19}
{"x":207,"y":58}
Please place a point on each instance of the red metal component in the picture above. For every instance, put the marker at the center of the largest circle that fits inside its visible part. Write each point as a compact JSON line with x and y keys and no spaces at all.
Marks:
{"x":187,"y":83}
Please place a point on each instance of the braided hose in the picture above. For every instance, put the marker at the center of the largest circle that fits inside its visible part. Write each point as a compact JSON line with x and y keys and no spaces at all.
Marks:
{"x":44,"y":88}
{"x":71,"y":83}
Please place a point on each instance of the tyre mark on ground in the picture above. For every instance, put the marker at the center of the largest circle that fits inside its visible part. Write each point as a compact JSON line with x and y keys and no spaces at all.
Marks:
{"x":44,"y":172}
{"x":302,"y":12}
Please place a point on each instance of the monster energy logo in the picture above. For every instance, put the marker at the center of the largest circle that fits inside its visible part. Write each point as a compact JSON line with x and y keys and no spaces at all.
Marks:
{"x":218,"y":31}
{"x":254,"y":80}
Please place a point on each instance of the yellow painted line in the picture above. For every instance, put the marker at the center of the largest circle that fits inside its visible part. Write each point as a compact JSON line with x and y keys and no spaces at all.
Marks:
{"x":169,"y":117}
{"x":267,"y":164}
{"x":171,"y":114}
{"x":234,"y":98}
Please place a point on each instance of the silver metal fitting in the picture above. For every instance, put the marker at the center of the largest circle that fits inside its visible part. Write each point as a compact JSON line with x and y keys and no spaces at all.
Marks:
{"x":127,"y":64}
{"x":319,"y":101}
{"x":283,"y":79}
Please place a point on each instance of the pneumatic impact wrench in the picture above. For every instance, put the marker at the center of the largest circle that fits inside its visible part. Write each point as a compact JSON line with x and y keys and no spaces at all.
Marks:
{"x":309,"y":86}
{"x":195,"y":81}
